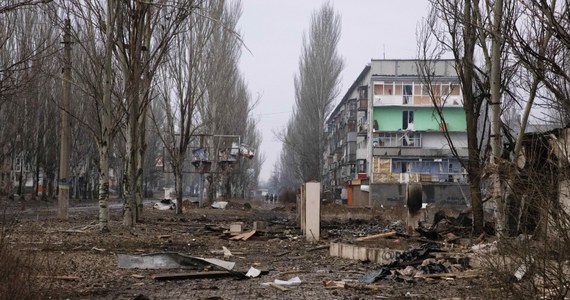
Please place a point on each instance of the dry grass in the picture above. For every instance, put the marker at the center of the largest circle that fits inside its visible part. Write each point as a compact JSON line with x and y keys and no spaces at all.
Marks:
{"x":18,"y":268}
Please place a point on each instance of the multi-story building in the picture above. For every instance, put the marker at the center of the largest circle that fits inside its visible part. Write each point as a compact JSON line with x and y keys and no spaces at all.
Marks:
{"x":411,"y":139}
{"x":399,"y":136}
{"x":346,"y":154}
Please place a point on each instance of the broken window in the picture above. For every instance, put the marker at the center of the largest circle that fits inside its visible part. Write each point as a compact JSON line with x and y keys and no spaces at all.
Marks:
{"x":407,"y":119}
{"x":407,"y":94}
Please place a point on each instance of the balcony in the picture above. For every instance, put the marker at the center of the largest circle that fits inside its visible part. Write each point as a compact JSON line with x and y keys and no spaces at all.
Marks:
{"x":387,"y":100}
{"x":363,"y":129}
{"x":363,"y":104}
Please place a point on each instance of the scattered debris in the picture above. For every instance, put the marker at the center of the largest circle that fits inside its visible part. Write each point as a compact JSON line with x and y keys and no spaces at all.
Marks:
{"x":165,"y":204}
{"x":98,"y":249}
{"x":220,"y":204}
{"x":376,"y":236}
{"x":244,"y":236}
{"x":227,"y":252}
{"x":488,"y":248}
{"x":137,"y":276}
{"x":318,"y":248}
{"x":259,"y":225}
{"x":282,"y":253}
{"x":293,"y":281}
{"x":253,"y":272}
{"x":331,"y":284}
{"x":520,"y":272}
{"x":276,"y":286}
{"x":236,"y":227}
{"x":195,"y":275}
{"x":170,"y":261}
{"x":62,"y":277}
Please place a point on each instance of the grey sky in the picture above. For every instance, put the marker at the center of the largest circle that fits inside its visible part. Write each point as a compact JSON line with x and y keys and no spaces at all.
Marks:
{"x":273,"y":31}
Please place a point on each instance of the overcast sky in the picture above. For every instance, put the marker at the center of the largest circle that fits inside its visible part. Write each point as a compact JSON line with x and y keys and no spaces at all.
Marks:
{"x":273,"y":32}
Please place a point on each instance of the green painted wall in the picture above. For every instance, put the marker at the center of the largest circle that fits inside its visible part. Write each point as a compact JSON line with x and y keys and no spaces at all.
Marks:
{"x":390,"y":118}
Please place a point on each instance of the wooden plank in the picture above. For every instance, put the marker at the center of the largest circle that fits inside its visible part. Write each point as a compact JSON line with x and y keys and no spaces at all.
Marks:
{"x":376,"y":236}
{"x":243,"y":236}
{"x":319,"y":248}
{"x":201,"y":275}
{"x":451,"y":275}
{"x":248,"y":235}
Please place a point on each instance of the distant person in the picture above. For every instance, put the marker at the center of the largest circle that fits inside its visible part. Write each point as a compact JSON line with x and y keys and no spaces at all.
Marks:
{"x":267,"y":197}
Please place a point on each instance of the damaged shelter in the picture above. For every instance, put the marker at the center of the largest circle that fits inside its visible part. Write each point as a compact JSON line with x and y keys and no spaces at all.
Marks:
{"x":540,"y":188}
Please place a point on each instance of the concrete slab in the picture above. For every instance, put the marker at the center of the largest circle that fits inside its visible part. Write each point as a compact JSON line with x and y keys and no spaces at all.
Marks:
{"x":361,"y":253}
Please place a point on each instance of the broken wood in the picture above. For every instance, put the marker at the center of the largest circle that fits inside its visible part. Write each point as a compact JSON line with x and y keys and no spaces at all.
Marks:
{"x":193,"y":275}
{"x":376,"y":236}
{"x":319,"y":248}
{"x":243,"y":236}
{"x":63,"y":277}
{"x":282,"y":253}
{"x":201,"y":275}
{"x":450,"y":275}
{"x":276,"y":286}
{"x":73,"y":231}
{"x":137,"y":276}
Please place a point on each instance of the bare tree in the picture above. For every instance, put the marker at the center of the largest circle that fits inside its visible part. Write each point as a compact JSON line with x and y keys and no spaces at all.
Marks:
{"x":227,"y":109}
{"x":316,"y":86}
{"x":144,"y":32}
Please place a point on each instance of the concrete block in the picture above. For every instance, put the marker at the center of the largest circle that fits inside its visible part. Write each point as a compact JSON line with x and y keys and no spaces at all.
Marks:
{"x":375,"y":255}
{"x":259,"y":226}
{"x":313,"y":211}
{"x":236,"y":227}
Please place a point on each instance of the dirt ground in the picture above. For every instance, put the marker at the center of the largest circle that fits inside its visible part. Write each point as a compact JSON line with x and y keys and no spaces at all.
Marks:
{"x":79,"y":262}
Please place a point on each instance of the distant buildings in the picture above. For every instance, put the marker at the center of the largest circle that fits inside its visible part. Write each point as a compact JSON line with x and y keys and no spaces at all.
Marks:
{"x":386,"y":132}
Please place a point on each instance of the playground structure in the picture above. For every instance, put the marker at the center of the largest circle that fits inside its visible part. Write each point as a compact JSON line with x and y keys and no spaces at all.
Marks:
{"x":229,"y":150}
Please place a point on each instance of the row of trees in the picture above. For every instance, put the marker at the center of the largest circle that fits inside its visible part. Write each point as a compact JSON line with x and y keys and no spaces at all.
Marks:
{"x":316,"y":87}
{"x":148,"y":78}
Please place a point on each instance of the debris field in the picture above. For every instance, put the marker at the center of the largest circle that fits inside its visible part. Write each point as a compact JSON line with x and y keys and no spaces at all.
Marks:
{"x":245,"y":251}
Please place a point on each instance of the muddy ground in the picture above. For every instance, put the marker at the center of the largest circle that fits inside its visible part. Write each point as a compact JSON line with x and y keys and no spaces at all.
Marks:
{"x":79,"y":262}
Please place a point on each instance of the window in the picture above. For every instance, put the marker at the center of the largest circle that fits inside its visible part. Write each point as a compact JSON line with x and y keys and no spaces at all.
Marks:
{"x":361,"y":166}
{"x":363,"y":92}
{"x":407,"y":120}
{"x":407,"y":93}
{"x":18,"y":165}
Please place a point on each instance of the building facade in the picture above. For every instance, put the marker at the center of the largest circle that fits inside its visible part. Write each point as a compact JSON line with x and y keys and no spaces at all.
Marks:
{"x":393,"y":127}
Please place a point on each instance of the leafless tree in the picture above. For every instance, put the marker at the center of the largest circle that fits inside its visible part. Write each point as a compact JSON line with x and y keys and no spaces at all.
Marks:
{"x":316,"y":87}
{"x":144,"y":32}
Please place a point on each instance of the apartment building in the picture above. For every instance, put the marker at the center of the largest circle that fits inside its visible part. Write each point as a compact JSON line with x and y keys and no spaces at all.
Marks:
{"x":346,"y":155}
{"x":386,"y":132}
{"x":411,"y":140}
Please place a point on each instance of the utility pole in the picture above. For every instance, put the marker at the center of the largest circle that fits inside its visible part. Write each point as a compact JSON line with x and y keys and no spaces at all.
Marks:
{"x":65,"y":129}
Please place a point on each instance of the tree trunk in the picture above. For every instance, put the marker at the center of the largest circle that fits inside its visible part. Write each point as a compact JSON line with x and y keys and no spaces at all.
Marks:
{"x":496,"y":137}
{"x":104,"y":186}
{"x":104,"y":144}
{"x":467,"y":72}
{"x":178,"y":186}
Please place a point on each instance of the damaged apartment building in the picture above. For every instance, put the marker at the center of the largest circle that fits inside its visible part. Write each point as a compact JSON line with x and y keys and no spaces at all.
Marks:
{"x":386,"y":132}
